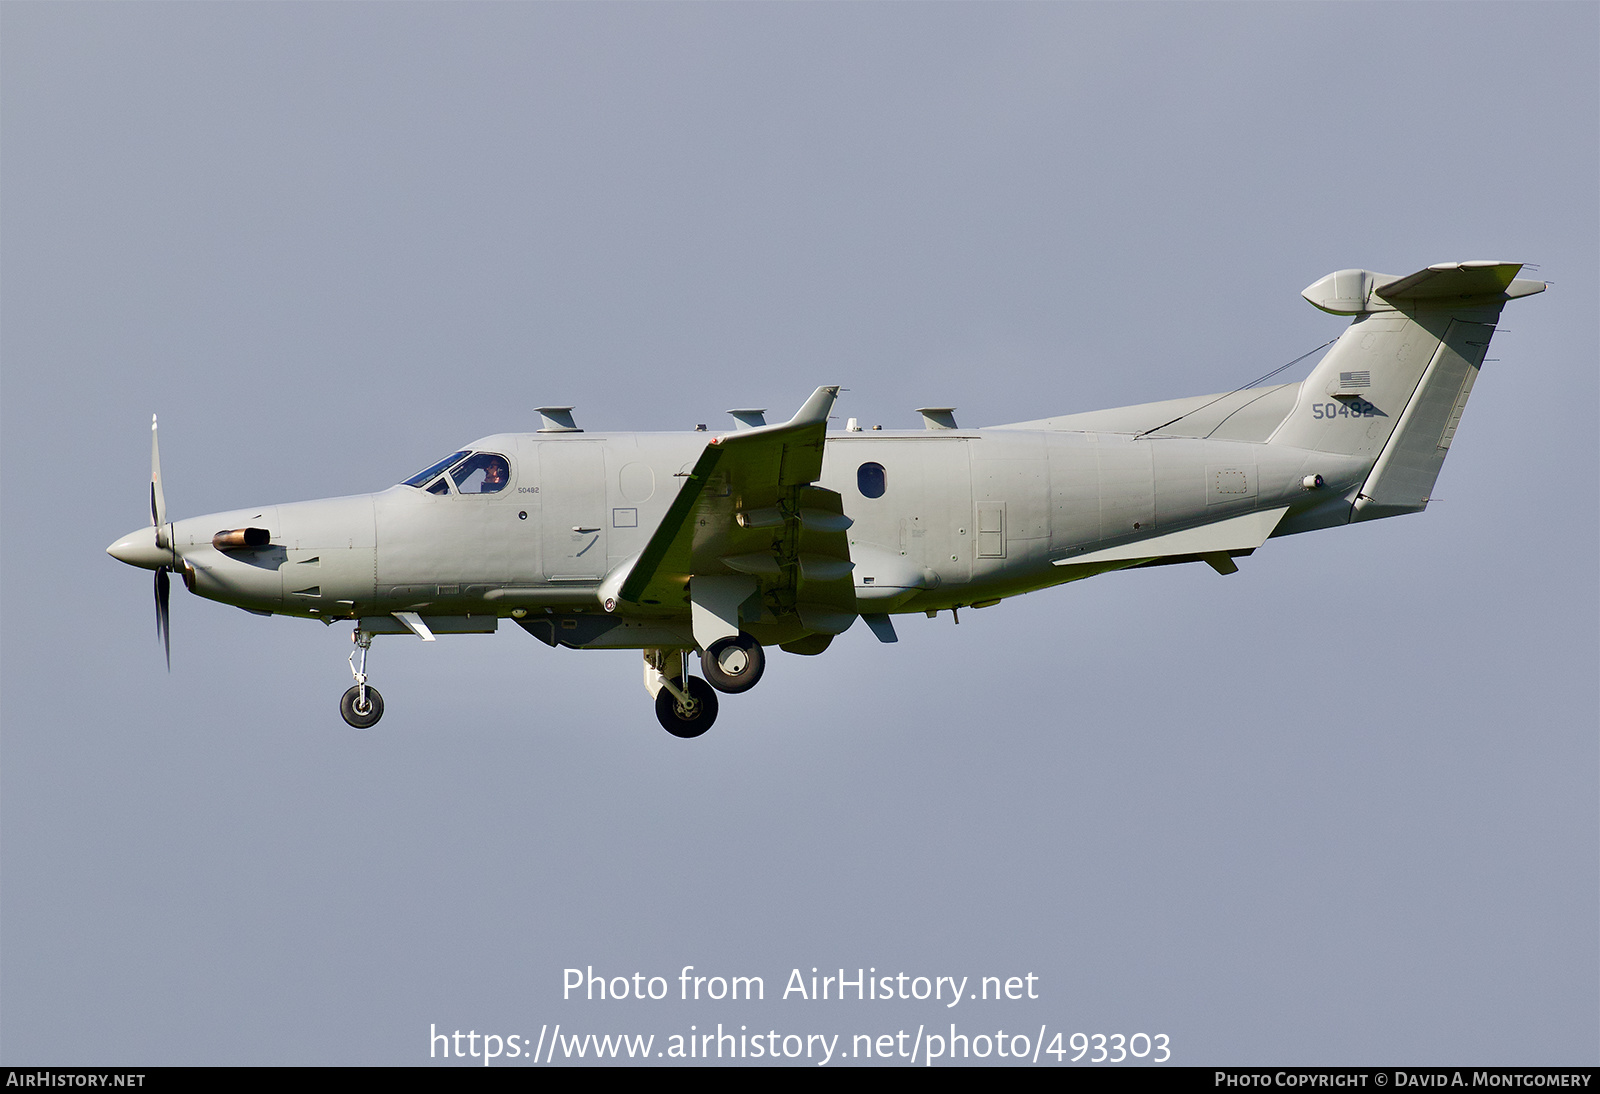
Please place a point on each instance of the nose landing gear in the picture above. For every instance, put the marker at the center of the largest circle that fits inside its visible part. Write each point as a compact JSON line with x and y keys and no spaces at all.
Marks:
{"x":361,"y":706}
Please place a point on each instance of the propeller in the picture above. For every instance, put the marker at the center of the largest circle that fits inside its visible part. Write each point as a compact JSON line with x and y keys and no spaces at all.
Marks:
{"x":158,"y":517}
{"x":163,"y":619}
{"x":158,"y":552}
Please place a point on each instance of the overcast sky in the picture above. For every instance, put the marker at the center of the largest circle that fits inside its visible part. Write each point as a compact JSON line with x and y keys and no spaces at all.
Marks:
{"x":1337,"y":808}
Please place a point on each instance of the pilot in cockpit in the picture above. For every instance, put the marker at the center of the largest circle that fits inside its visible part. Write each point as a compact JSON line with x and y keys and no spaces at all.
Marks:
{"x":494,"y":475}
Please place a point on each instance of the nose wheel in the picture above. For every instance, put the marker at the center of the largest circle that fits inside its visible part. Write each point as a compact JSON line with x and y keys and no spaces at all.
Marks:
{"x":362,"y":711}
{"x":361,"y":706}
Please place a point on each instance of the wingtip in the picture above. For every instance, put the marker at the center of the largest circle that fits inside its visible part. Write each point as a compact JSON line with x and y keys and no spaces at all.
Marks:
{"x":816,"y":408}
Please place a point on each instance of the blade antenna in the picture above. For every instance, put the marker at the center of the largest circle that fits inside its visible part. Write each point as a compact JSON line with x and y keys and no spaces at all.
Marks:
{"x":1241,"y":387}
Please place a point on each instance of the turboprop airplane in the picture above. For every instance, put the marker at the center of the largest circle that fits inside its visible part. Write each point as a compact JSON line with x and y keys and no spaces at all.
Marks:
{"x":785,"y":534}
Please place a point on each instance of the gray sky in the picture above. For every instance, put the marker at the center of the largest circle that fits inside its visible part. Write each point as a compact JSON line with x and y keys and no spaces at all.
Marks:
{"x":1338,"y":808}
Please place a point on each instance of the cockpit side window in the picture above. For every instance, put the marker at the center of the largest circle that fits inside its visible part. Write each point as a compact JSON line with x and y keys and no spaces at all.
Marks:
{"x":442,"y":487}
{"x":484,"y":473}
{"x":422,"y":477}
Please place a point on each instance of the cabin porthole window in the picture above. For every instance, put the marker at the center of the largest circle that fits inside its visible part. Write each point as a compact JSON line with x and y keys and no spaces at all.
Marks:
{"x":870,"y":480}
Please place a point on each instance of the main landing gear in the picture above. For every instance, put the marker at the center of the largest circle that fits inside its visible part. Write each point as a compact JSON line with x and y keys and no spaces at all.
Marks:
{"x":687,"y":705}
{"x":734,"y":665}
{"x":361,"y":706}
{"x":686,"y":709}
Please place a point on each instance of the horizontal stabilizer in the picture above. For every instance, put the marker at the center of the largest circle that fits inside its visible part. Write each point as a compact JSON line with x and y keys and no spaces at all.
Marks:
{"x":1454,"y":279}
{"x":1357,"y":292}
{"x":1241,"y":533}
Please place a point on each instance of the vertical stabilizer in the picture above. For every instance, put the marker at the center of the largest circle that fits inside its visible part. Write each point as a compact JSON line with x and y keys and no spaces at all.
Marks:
{"x":1393,"y":388}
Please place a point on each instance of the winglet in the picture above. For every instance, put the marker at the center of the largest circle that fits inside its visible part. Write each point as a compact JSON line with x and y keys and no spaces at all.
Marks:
{"x":817,"y":407}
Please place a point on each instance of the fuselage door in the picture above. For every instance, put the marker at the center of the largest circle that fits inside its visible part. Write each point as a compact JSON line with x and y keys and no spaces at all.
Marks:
{"x":573,"y":496}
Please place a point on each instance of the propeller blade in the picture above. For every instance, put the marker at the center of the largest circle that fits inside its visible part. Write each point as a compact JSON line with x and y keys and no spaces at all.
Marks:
{"x":158,"y":498}
{"x":163,"y":613}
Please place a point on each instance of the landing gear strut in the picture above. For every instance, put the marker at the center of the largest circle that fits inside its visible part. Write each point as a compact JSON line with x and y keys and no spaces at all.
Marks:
{"x":685,"y":705}
{"x":361,"y":706}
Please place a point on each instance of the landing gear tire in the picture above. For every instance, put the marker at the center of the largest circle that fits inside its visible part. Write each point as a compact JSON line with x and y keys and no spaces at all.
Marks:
{"x":678,"y":721}
{"x":359,"y":715}
{"x":733,"y":665}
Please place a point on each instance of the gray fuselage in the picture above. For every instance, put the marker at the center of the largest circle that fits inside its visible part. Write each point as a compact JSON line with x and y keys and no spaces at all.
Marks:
{"x":964,"y":517}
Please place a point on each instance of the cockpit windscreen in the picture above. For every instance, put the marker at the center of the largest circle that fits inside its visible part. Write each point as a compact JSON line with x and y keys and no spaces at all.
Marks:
{"x":423,"y":476}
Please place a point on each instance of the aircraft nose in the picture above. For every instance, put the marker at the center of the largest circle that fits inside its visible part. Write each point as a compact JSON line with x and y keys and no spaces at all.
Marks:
{"x":139,"y":549}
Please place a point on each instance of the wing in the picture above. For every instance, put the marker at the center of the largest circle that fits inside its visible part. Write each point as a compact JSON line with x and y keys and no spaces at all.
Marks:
{"x":749,"y":531}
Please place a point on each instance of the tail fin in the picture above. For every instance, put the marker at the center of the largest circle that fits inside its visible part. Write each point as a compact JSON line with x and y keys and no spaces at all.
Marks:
{"x":1393,"y":387}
